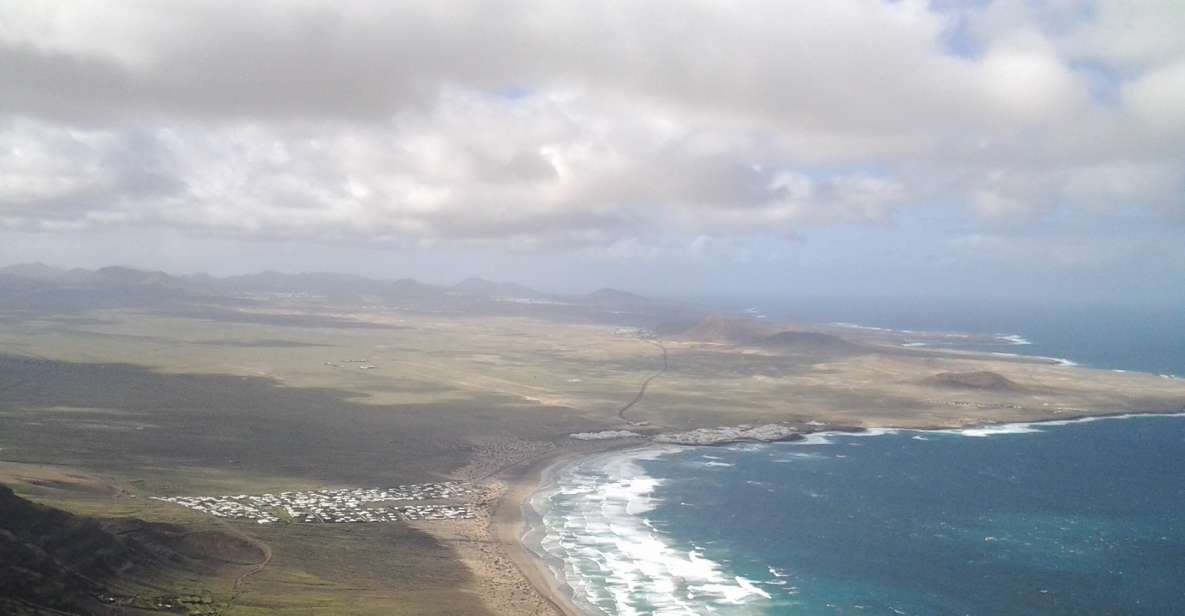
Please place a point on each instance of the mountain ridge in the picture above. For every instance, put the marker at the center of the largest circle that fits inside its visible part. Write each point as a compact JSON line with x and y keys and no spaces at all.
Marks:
{"x":276,"y":281}
{"x":36,"y":287}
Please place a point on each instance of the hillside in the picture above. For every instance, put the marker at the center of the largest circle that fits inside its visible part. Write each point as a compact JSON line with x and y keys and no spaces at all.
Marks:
{"x":52,"y":561}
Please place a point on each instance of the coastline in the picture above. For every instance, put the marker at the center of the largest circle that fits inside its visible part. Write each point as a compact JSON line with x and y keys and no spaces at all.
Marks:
{"x":509,"y":523}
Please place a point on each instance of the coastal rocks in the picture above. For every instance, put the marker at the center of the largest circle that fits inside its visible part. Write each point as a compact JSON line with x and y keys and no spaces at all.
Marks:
{"x":768,"y":433}
{"x":604,"y":435}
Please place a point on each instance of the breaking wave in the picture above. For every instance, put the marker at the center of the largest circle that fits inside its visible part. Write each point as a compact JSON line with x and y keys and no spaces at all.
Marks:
{"x":1035,"y":426}
{"x":594,"y":532}
{"x":1061,"y":361}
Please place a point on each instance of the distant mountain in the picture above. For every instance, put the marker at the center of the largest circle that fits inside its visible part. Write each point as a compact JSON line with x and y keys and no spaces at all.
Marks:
{"x":36,"y":287}
{"x":615,"y":297}
{"x":106,"y":276}
{"x":126,"y":276}
{"x":33,"y":271}
{"x":488,"y":288}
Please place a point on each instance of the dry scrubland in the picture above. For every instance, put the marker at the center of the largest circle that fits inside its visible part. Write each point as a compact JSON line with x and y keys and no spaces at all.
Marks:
{"x":101,"y":410}
{"x":585,"y":372}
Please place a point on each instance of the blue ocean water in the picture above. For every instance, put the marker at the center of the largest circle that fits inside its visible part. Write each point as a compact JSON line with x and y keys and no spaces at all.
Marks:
{"x":1078,"y":518}
{"x":1141,"y":339}
{"x":1056,"y":518}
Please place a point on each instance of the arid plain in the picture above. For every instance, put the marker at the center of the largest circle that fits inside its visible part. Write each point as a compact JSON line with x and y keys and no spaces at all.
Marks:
{"x":104,"y":406}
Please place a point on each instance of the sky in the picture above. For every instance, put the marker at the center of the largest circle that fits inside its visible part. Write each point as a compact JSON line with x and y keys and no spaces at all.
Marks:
{"x":861,"y":148}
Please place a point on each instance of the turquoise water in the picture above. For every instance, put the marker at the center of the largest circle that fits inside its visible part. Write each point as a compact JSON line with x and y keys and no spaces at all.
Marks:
{"x":1077,"y":518}
{"x":1080,"y":518}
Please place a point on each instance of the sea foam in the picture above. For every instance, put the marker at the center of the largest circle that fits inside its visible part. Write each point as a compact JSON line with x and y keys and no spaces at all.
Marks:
{"x":1061,"y":361}
{"x":614,"y":560}
{"x":1015,"y":339}
{"x":1035,"y":426}
{"x":982,"y":431}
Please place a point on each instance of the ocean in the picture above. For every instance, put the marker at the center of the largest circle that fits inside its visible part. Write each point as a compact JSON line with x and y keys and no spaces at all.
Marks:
{"x":1138,"y":339}
{"x":1082,"y":517}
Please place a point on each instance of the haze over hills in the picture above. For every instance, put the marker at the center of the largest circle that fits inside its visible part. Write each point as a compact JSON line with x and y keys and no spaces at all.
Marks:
{"x":35,"y":286}
{"x":40,"y":288}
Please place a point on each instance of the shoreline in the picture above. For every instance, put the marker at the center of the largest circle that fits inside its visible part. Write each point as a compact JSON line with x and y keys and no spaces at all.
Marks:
{"x":1056,"y":420}
{"x":510,"y":524}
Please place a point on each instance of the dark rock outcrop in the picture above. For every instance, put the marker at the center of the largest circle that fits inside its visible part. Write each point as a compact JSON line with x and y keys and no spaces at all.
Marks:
{"x":982,"y":379}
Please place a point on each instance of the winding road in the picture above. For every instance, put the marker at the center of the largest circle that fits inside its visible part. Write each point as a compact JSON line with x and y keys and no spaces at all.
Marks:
{"x":642,"y":391}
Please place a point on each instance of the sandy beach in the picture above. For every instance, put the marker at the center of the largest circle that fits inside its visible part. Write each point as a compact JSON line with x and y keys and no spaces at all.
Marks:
{"x":508,"y":524}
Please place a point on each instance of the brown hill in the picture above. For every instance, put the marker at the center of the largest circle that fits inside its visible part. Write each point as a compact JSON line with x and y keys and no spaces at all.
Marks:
{"x":973,"y":380}
{"x":747,"y":332}
{"x":615,"y":298}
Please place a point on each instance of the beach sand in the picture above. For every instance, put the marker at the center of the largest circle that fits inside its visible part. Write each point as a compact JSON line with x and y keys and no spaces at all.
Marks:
{"x":509,"y":577}
{"x":500,"y":578}
{"x":509,"y":526}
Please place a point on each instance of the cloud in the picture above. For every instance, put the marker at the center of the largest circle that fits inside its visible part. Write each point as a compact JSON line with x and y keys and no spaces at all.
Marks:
{"x":1157,"y":97}
{"x":569,"y":125}
{"x":478,"y":167}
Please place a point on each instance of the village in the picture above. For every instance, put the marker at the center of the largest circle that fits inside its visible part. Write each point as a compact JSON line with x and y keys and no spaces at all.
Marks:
{"x":337,"y":506}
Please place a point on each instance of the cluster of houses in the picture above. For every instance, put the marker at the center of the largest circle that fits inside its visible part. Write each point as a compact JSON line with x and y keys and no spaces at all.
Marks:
{"x":362,"y":364}
{"x":635,"y":332}
{"x":978,"y":405}
{"x":342,"y":505}
{"x":437,"y":512}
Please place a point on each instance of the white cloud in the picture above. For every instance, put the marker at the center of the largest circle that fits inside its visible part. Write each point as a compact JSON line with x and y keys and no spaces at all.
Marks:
{"x":1157,"y":98}
{"x":1128,"y":34}
{"x":550,"y":125}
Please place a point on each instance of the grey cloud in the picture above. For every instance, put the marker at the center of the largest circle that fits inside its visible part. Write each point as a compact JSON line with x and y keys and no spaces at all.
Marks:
{"x":867,"y":67}
{"x":55,"y":176}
